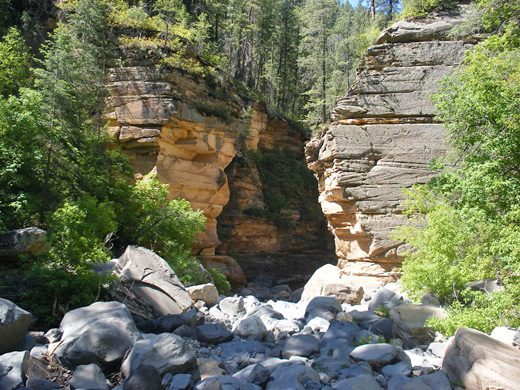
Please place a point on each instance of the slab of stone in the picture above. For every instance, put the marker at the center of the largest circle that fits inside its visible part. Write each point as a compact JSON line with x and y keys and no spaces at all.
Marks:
{"x":13,"y":369}
{"x":326,"y":281}
{"x":14,"y":323}
{"x":100,"y":333}
{"x":166,"y":352}
{"x":212,"y":334}
{"x":148,"y":285}
{"x":205,"y":292}
{"x":375,"y":354}
{"x":324,"y":307}
{"x":301,"y":345}
{"x":30,"y":241}
{"x":89,"y":377}
{"x":409,"y":323}
{"x":481,"y":362}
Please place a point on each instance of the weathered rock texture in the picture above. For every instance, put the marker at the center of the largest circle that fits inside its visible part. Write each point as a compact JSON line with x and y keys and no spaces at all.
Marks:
{"x":481,"y":362}
{"x":382,"y":137}
{"x":188,"y":130}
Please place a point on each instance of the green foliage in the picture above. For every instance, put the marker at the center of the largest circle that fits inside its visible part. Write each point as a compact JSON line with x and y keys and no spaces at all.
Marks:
{"x":451,"y":248}
{"x":56,"y":171}
{"x":150,"y":219}
{"x":465,"y":222}
{"x":286,"y":184}
{"x":63,"y":279}
{"x":53,"y":290}
{"x":421,"y":8}
{"x":482,"y":311}
{"x":14,"y":63}
{"x":220,"y":281}
{"x":22,"y":158}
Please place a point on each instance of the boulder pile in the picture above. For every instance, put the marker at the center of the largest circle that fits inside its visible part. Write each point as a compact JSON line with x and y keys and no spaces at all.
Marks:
{"x":242,"y":342}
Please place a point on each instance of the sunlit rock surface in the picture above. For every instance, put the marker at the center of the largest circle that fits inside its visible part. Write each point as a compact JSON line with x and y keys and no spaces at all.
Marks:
{"x":382,"y":137}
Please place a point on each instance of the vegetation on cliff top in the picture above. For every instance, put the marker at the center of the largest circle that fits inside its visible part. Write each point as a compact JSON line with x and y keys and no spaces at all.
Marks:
{"x":57,"y":172}
{"x":465,"y":223}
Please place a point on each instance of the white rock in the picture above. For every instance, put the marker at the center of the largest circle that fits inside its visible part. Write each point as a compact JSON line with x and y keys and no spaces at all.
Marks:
{"x":504,"y":334}
{"x":88,"y":377}
{"x":13,"y":369}
{"x":250,"y":326}
{"x":205,"y":292}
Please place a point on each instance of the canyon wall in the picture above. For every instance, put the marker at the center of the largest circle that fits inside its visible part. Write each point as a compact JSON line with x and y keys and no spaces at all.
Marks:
{"x":381,"y":139}
{"x":188,"y":130}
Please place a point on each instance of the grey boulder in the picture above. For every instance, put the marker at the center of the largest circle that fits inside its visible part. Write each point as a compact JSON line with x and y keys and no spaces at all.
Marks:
{"x":324,"y":307}
{"x":166,"y":352}
{"x":375,"y":354}
{"x":251,"y":326}
{"x":212,"y":334}
{"x":360,"y":382}
{"x":88,"y":377}
{"x":145,"y":377}
{"x":13,"y":368}
{"x":14,"y":323}
{"x":292,"y":377}
{"x":100,"y":333}
{"x":148,"y":285}
{"x":301,"y":345}
{"x":30,"y":241}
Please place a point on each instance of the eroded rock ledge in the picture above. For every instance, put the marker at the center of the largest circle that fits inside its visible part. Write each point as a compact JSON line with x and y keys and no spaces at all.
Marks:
{"x":189,"y":131}
{"x":382,"y":137}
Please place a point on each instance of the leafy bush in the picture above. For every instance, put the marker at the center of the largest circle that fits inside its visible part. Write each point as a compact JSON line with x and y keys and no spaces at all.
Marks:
{"x":465,"y":223}
{"x":64,"y":276}
{"x":286,"y":184}
{"x":220,"y":281}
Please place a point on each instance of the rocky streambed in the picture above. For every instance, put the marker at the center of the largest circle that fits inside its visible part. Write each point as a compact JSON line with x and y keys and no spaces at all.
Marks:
{"x":279,"y":339}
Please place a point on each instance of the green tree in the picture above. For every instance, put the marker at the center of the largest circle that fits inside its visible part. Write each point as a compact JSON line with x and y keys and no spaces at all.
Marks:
{"x":469,"y":215}
{"x":318,"y":18}
{"x":14,"y":63}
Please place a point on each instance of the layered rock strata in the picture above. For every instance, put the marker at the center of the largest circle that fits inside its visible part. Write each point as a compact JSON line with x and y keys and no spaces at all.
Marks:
{"x":169,"y":123}
{"x":382,"y":137}
{"x":188,"y":131}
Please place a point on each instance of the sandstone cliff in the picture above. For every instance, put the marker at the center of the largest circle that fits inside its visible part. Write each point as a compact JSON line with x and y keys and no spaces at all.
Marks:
{"x":188,"y":130}
{"x":382,"y":137}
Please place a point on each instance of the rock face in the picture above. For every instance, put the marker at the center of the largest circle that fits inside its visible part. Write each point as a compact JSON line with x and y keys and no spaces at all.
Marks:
{"x":148,"y":285}
{"x":14,"y":323}
{"x":189,"y":130}
{"x":481,"y":362}
{"x":29,"y":241}
{"x":382,"y":137}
